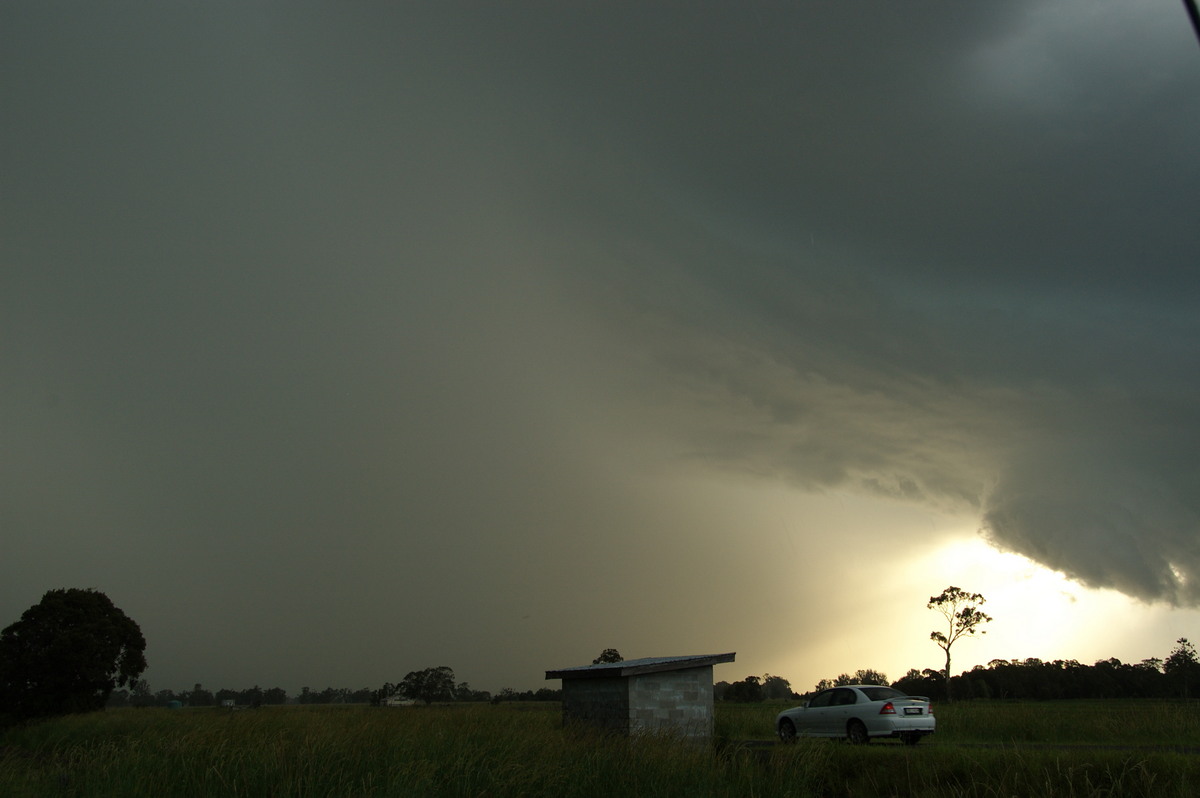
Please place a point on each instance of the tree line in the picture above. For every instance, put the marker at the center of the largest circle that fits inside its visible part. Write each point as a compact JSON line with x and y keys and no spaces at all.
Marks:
{"x":75,"y":651}
{"x":142,"y":696}
{"x":428,"y":686}
{"x":437,"y":685}
{"x":1177,"y":676}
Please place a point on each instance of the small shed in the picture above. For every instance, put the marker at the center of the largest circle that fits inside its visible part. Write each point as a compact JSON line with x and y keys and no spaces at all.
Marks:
{"x":672,"y":695}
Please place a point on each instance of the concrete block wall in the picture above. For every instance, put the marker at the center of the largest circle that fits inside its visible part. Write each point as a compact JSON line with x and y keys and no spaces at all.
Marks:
{"x":674,"y":702}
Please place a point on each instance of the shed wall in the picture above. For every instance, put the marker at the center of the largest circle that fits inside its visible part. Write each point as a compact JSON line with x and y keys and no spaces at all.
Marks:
{"x":599,"y":702}
{"x":675,"y":702}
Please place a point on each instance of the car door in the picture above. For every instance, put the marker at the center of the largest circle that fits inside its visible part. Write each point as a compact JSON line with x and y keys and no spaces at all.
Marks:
{"x":816,"y":715}
{"x":841,"y":709}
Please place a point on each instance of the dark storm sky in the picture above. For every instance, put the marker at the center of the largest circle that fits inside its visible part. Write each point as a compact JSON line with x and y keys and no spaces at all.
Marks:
{"x":341,"y":340}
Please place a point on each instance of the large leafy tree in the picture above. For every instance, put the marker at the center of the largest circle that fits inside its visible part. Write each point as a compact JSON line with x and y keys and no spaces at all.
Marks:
{"x":608,"y":655}
{"x":860,"y":676}
{"x":67,"y":653}
{"x":1183,"y":666}
{"x":963,"y":619}
{"x":776,"y":687}
{"x":748,"y":690}
{"x":869,"y":676}
{"x":429,"y":685}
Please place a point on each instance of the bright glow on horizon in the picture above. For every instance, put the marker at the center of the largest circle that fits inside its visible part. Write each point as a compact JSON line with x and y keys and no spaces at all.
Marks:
{"x":1037,"y":612}
{"x":1041,"y":613}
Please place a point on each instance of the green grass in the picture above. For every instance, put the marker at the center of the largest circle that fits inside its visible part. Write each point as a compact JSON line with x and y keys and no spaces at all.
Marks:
{"x":983,"y":749}
{"x":1085,"y":722}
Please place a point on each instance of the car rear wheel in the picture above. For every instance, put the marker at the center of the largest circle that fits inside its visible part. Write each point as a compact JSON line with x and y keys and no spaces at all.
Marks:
{"x":856,"y":733}
{"x":787,"y":731}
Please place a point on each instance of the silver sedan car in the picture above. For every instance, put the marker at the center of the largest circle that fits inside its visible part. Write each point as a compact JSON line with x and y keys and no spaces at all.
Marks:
{"x":859,"y":712}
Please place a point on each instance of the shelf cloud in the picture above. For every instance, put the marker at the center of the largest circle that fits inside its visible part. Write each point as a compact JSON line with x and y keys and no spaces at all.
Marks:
{"x":337,"y":322}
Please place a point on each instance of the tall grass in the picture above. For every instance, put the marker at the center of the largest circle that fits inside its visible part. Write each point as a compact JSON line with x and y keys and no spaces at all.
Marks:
{"x":514,"y":750}
{"x":1084,"y":722}
{"x":437,"y":751}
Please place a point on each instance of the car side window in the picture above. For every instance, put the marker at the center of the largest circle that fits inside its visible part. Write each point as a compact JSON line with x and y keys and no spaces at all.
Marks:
{"x":821,"y":699}
{"x":844,"y":697}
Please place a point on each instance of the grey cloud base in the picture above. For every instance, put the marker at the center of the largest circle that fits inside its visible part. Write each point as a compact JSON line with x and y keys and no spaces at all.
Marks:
{"x":313,"y":319}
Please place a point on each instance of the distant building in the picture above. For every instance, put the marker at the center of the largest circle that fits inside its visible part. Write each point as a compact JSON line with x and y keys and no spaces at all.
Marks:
{"x":655,"y":695}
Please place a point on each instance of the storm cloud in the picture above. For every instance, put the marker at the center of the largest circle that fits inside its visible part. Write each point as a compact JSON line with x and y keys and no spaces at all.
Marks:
{"x":333,"y":320}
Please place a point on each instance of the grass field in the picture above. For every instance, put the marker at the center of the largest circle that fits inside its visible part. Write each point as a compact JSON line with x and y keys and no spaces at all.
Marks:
{"x":1101,"y":748}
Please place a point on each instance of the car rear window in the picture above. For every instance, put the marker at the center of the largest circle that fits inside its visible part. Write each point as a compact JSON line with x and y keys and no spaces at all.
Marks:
{"x":881,"y":693}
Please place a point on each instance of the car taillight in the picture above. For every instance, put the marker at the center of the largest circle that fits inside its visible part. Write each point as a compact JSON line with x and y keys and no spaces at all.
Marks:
{"x":929,"y":709}
{"x":888,"y":709}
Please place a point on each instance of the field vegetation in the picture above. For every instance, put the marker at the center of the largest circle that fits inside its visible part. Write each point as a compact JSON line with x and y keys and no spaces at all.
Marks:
{"x":983,"y":748}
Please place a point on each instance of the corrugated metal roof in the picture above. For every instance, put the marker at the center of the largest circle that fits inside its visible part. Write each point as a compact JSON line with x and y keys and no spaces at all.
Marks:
{"x":632,"y":667}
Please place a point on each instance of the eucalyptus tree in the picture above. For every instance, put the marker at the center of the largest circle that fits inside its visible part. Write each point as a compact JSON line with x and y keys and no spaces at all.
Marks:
{"x":963,"y":619}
